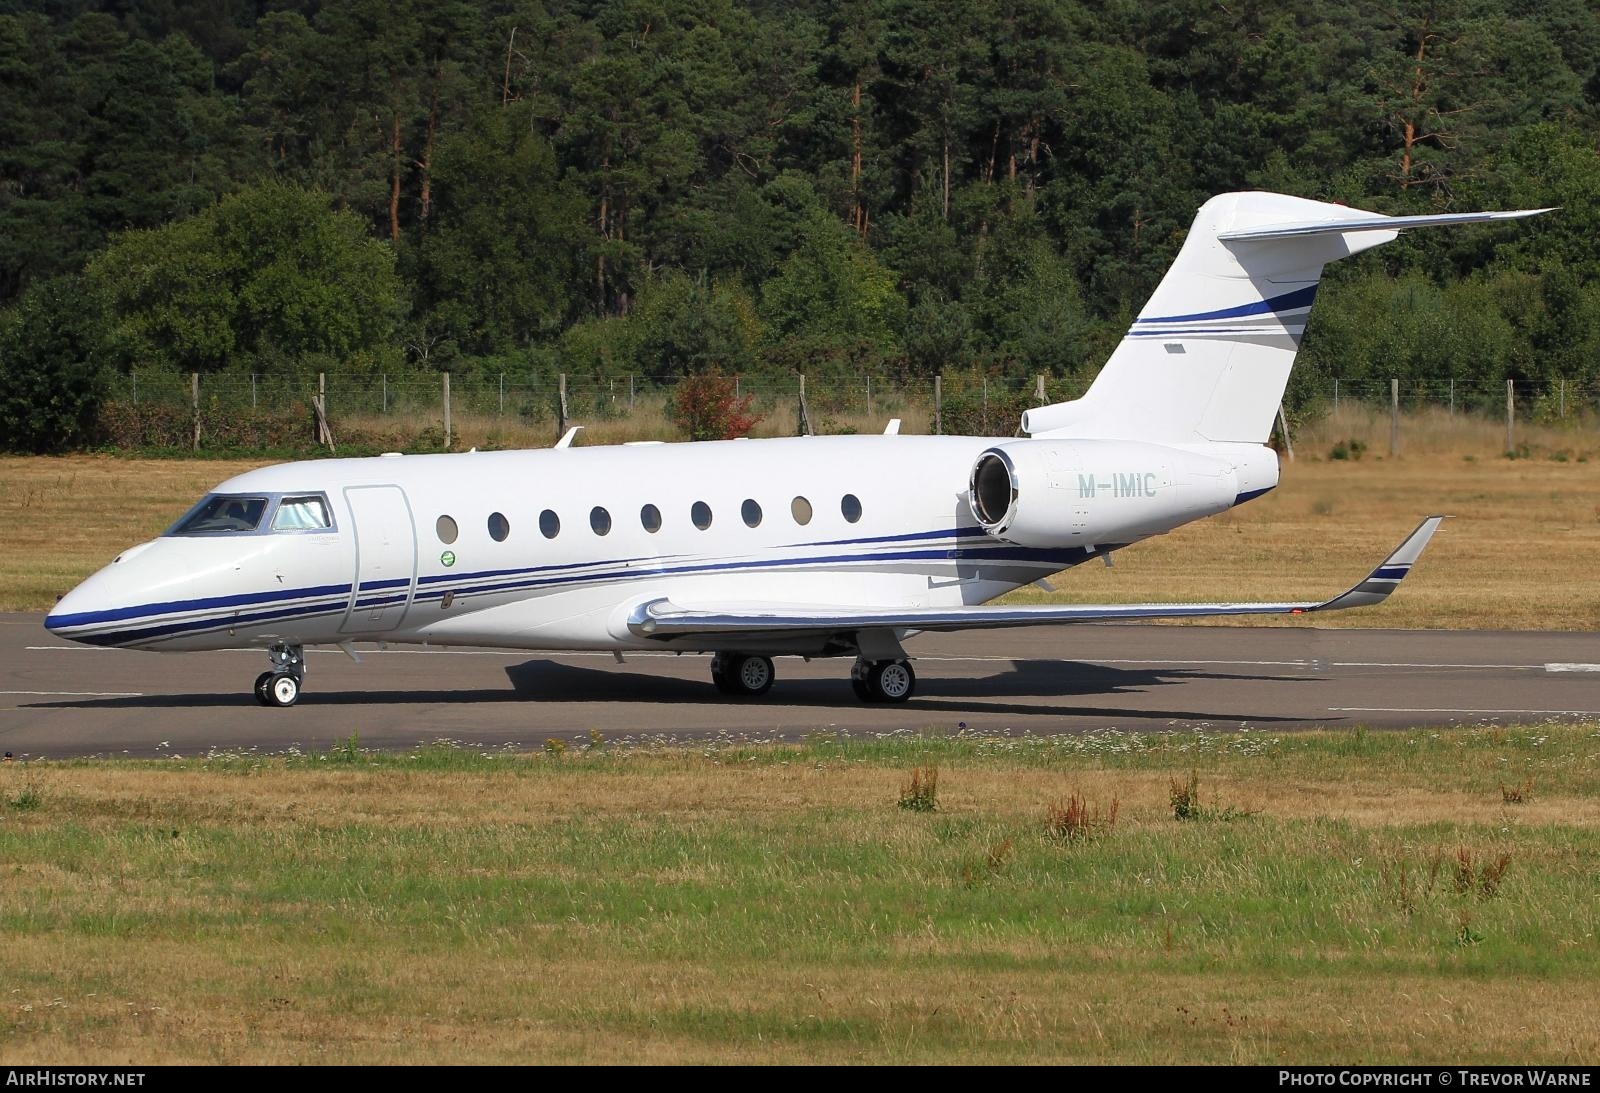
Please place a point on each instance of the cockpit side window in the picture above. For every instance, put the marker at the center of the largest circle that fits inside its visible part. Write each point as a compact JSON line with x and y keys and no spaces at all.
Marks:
{"x":222,"y":514}
{"x":301,"y":514}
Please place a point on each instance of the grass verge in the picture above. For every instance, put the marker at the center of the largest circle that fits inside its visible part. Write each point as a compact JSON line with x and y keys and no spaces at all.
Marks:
{"x":1352,"y":896}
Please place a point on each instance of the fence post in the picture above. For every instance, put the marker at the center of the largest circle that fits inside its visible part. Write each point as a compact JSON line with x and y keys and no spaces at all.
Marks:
{"x":1452,"y":396}
{"x":803,"y":419}
{"x":561,"y":405}
{"x":869,"y":396}
{"x":135,"y":377}
{"x":630,"y":392}
{"x":1394,"y":418}
{"x":502,"y":394}
{"x":194,"y":401}
{"x":938,"y":404}
{"x":446,"y":376}
{"x":1511,"y":417}
{"x":1563,"y":397}
{"x":252,"y":390}
{"x":1283,"y":425}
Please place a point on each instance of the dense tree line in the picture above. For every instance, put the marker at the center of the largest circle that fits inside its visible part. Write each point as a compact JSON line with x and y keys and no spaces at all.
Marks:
{"x":663,"y":186}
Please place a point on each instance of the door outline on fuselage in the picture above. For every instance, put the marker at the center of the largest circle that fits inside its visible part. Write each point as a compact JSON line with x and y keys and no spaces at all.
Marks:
{"x":368,"y":620}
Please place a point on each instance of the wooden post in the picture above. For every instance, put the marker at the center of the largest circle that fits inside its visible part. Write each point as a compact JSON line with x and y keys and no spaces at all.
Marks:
{"x":869,"y":396}
{"x":1563,"y":398}
{"x":1283,"y":425}
{"x":561,"y":405}
{"x":1038,"y":389}
{"x":447,"y":434}
{"x":1394,"y":417}
{"x":252,"y":390}
{"x":502,"y":394}
{"x":1336,"y":397}
{"x":938,"y":404}
{"x":136,"y":388}
{"x":630,"y":392}
{"x":385,"y":378}
{"x":803,"y":419}
{"x":1511,"y":417}
{"x":194,"y":401}
{"x":1452,"y":397}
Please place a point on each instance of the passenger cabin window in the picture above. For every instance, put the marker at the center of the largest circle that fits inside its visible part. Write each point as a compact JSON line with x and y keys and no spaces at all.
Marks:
{"x":549,"y":524}
{"x":701,"y":515}
{"x":800,"y":509}
{"x":445,"y":528}
{"x":851,"y":507}
{"x":650,"y":517}
{"x":301,"y":514}
{"x":600,"y":520}
{"x":499,"y":527}
{"x":222,"y":515}
{"x":751,"y":513}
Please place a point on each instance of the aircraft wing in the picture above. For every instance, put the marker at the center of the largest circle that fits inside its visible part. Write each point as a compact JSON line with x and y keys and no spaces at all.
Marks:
{"x":664,"y":619}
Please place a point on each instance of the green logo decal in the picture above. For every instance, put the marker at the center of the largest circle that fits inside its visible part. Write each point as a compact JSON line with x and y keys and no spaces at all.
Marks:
{"x":448,"y":558}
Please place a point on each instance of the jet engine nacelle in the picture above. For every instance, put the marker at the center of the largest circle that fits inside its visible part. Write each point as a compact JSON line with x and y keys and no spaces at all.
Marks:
{"x":1091,"y":493}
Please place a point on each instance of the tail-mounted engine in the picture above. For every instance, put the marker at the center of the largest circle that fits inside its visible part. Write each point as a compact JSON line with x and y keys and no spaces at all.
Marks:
{"x":1093,"y":492}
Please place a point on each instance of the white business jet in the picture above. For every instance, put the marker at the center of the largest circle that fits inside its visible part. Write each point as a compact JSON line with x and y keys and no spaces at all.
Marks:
{"x":838,"y":546}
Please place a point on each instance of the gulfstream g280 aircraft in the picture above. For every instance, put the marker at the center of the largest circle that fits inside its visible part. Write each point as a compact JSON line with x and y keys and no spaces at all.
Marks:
{"x":811,"y":546}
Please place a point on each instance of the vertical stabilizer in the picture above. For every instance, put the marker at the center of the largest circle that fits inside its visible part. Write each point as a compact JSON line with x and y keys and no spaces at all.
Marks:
{"x":1209,"y":356}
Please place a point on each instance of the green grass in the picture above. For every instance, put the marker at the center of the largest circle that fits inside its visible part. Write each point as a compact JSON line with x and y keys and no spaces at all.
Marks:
{"x":649,"y":903}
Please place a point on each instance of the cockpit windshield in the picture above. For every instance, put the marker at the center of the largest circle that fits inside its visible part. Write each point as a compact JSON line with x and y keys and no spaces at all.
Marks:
{"x":221,"y":514}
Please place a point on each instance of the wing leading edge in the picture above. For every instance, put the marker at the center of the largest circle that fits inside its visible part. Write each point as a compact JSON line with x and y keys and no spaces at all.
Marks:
{"x":661,"y":618}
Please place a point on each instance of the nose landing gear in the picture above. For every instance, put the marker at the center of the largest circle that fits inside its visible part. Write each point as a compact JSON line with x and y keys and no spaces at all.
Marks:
{"x":281,"y":685}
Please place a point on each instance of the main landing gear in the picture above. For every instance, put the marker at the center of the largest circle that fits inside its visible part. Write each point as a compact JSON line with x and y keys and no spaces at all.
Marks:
{"x":883,"y":680}
{"x":872,"y":680}
{"x":736,"y":674}
{"x":281,"y":685}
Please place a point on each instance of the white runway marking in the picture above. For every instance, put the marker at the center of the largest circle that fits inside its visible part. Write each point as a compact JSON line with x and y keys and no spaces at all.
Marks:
{"x":81,"y":694}
{"x":1444,"y":709}
{"x":1572,"y":667}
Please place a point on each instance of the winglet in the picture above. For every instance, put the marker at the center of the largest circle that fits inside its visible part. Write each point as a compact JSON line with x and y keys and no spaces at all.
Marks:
{"x":893,"y":428}
{"x":1387,"y":577}
{"x":571,"y":435}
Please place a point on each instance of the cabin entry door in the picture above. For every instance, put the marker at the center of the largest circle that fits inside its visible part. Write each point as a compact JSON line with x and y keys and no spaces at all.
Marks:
{"x":386,"y":559}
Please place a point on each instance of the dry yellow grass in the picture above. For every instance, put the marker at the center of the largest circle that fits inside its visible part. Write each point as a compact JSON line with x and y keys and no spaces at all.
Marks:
{"x":1516,"y":556}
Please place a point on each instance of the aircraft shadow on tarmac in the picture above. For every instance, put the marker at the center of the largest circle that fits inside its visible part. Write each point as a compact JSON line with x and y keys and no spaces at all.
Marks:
{"x":548,"y":681}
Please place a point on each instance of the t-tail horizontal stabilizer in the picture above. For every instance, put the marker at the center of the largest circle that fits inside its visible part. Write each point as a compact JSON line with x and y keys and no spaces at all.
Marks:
{"x":733,"y":623}
{"x":1298,"y":228}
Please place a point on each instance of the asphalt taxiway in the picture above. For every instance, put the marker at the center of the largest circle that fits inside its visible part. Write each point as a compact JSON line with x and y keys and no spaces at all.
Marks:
{"x":59,"y":699}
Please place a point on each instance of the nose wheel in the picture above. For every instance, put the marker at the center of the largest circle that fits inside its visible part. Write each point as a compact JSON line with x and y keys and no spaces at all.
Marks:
{"x":883,"y":680}
{"x":281,"y":685}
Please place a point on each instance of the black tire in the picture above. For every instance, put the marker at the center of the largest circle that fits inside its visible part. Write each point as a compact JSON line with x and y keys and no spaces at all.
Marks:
{"x":261,"y":688}
{"x":719,"y":674}
{"x":858,"y":684}
{"x":283,"y":690}
{"x":752,"y":676}
{"x":891,"y":680}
